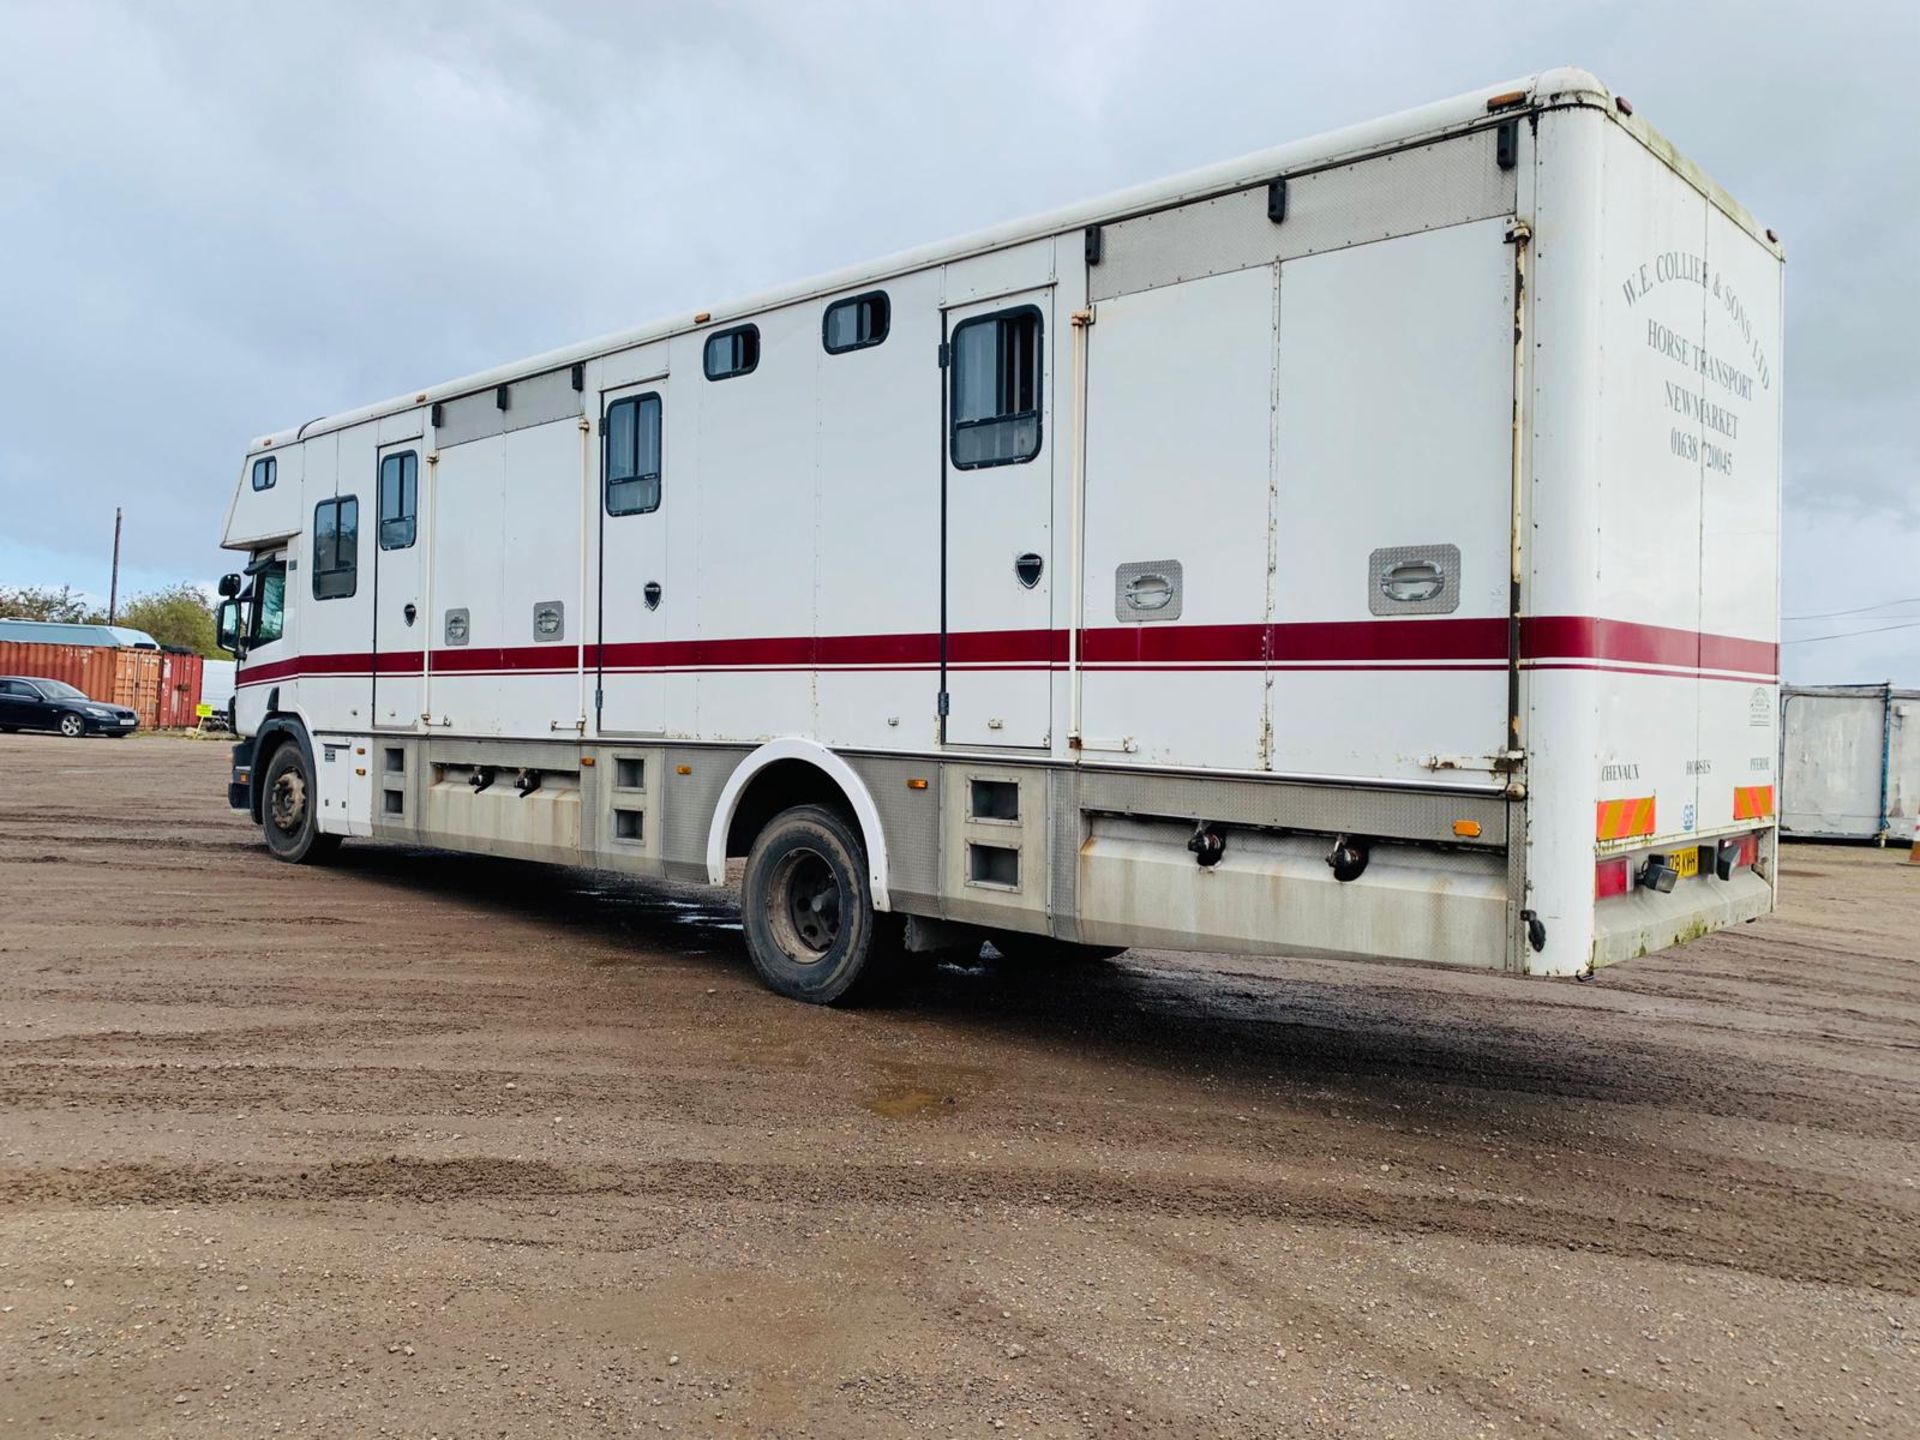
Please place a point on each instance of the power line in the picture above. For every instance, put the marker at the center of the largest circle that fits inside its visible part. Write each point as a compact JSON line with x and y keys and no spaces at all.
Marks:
{"x":1861,"y":610}
{"x":1849,"y":634}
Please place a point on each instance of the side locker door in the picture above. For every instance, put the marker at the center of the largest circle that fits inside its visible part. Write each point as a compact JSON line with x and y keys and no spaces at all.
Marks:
{"x":997,"y":633}
{"x":1394,"y":461}
{"x":400,"y":623}
{"x":630,"y":599}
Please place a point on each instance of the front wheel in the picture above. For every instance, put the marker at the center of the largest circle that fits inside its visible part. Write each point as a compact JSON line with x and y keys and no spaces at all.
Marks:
{"x":72,"y":726}
{"x":807,"y":907}
{"x":289,"y":810}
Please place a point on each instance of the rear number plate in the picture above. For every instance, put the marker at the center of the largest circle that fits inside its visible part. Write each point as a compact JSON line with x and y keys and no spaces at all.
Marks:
{"x":1686,"y":863}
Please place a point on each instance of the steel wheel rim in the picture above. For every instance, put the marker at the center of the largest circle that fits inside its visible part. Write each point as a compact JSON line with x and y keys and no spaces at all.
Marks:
{"x":288,"y":803}
{"x":804,"y":902}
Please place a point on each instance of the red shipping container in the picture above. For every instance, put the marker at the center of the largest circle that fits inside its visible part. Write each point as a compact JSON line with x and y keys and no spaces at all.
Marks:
{"x":161,"y":688}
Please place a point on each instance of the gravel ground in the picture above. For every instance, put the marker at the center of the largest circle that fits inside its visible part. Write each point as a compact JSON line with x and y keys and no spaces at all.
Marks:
{"x":428,"y":1145}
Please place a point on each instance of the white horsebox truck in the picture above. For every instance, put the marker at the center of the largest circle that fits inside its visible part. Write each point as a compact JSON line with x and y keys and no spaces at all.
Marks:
{"x":1368,"y":548}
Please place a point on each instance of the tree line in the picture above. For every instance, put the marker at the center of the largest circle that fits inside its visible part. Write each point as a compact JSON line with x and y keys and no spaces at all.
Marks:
{"x":175,"y":615}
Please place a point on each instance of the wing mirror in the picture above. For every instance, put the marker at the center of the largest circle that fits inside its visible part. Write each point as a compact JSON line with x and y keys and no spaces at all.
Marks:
{"x":226,"y":624}
{"x":230,"y":586}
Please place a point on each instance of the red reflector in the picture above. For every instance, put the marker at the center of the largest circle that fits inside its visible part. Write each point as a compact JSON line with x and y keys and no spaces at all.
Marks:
{"x":1745,"y":850}
{"x":1610,"y":877}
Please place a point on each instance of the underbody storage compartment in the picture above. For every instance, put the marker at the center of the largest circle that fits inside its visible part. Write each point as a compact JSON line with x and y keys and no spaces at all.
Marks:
{"x":1275,"y":893}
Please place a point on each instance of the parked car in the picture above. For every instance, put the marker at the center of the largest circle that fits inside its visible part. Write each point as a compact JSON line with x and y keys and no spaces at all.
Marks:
{"x":34,"y":703}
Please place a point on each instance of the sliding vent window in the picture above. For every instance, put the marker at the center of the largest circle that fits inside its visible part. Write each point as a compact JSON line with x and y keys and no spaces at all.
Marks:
{"x":633,"y":455}
{"x":399,"y":499}
{"x":336,"y":548}
{"x":857,"y":323}
{"x":265,"y":472}
{"x":732,"y":352}
{"x":996,"y":389}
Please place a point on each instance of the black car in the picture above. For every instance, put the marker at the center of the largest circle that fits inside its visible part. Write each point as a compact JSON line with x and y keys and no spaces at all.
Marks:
{"x":32,"y":703}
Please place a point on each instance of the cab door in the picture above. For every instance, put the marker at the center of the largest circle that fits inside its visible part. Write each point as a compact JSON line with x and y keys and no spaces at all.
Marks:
{"x":997,"y":495}
{"x":399,"y":621}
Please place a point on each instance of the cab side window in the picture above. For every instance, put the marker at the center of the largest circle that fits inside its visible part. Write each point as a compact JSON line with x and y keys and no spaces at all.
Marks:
{"x":336,"y":548}
{"x":270,"y":604}
{"x":265,"y":471}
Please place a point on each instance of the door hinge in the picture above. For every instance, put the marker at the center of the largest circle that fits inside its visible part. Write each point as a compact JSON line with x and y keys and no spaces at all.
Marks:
{"x":603,"y":426}
{"x":946,"y":354}
{"x":944,"y":705}
{"x":599,"y":699}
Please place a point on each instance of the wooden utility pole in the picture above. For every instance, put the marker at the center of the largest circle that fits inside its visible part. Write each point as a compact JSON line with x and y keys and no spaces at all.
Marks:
{"x":113,"y":586}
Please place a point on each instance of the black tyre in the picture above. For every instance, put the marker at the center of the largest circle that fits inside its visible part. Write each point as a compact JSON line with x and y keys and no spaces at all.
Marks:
{"x":807,"y":907}
{"x":289,"y":810}
{"x":1024,"y":949}
{"x":73,"y":727}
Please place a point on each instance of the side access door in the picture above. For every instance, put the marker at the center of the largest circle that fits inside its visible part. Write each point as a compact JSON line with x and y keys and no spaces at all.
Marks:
{"x":996,"y":642}
{"x":400,"y":624}
{"x":630,"y":594}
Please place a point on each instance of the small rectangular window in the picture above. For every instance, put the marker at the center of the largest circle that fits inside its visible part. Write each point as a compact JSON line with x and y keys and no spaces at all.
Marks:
{"x":732,"y":352}
{"x":631,"y":455}
{"x":399,"y":499}
{"x":336,"y":548}
{"x":266,"y":470}
{"x":856,"y":323}
{"x":996,"y":389}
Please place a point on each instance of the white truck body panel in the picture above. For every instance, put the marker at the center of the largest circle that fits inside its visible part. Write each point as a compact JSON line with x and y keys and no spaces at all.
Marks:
{"x":1430,"y":498}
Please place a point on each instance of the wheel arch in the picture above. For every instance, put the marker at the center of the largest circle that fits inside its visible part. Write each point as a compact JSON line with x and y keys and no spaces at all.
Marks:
{"x":787,"y":771}
{"x":281,"y":728}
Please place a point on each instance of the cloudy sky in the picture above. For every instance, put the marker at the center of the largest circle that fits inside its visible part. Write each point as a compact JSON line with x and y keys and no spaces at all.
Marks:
{"x":220,"y":219}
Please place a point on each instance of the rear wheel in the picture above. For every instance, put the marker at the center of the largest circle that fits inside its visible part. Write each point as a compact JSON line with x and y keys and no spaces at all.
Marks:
{"x":72,"y":726}
{"x":807,"y":907}
{"x":289,"y":808}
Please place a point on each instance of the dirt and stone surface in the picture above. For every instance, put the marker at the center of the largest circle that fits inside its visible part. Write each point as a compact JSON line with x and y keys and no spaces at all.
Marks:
{"x":424,"y":1145}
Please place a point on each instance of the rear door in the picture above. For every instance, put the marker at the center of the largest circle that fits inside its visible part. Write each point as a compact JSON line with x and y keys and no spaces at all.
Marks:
{"x":20,"y":705}
{"x":996,"y":642}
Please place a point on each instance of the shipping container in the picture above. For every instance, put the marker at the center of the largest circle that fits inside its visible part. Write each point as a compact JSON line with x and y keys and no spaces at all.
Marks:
{"x":1849,"y":762}
{"x":161,"y":687}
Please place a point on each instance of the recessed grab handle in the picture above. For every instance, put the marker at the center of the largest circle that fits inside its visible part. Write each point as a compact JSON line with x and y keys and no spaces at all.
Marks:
{"x":1412,"y":581}
{"x":1149,"y":592}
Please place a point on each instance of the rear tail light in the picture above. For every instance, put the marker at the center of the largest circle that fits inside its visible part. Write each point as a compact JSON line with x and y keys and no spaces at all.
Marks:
{"x":1610,"y":877}
{"x":1737,"y":853}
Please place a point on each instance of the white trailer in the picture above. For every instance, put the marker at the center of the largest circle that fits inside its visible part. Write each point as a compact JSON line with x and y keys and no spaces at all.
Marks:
{"x":1849,"y":762}
{"x":1367,"y":547}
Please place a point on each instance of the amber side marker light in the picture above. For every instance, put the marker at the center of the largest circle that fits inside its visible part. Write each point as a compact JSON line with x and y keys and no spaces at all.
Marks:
{"x":1467,"y":829}
{"x":683,"y":769}
{"x":586,"y":762}
{"x":1506,"y":99}
{"x":916,"y":783}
